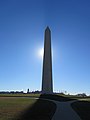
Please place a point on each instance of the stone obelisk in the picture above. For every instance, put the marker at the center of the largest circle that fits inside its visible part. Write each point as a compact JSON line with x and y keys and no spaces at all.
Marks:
{"x":47,"y":84}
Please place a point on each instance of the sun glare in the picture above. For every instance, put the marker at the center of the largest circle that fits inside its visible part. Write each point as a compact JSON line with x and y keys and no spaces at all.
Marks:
{"x":41,"y":52}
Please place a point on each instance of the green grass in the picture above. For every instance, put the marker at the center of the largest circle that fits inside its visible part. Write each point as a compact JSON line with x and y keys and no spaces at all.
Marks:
{"x":67,"y":97}
{"x":12,"y":106}
{"x":61,"y":98}
{"x":82,"y":107}
{"x":25,"y":108}
{"x":19,"y":95}
{"x":73,"y":96}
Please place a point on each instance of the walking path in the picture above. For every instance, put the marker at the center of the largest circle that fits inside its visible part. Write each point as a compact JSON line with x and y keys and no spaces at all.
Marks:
{"x":64,"y":111}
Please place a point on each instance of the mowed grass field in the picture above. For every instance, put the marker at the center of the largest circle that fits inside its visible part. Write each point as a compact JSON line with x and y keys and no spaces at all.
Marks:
{"x":19,"y":95}
{"x":82,"y":107}
{"x":25,"y":108}
{"x":11,"y":107}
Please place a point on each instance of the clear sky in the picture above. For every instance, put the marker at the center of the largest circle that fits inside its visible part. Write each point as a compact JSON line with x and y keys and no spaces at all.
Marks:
{"x":22,"y":25}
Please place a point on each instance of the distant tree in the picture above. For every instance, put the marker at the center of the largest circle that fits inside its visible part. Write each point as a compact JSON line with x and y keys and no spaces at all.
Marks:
{"x":84,"y":95}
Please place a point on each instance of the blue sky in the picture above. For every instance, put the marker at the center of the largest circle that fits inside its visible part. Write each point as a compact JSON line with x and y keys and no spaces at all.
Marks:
{"x":22,"y":25}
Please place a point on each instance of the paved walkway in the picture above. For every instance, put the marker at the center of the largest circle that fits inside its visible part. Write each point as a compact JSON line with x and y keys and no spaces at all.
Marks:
{"x":64,"y":111}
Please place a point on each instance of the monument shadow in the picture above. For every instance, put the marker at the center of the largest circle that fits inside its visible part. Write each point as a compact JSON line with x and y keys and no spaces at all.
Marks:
{"x":43,"y":109}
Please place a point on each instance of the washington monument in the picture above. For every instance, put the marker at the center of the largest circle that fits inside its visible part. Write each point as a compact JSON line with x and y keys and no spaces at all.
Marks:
{"x":47,"y":83}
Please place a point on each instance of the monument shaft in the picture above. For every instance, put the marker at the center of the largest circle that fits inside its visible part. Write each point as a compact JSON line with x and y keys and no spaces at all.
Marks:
{"x":47,"y":85}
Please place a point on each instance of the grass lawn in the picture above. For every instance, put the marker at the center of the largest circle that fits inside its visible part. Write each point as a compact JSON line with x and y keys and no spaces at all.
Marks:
{"x":57,"y":97}
{"x":13,"y":106}
{"x":82,"y":107}
{"x":19,"y":95}
{"x":25,"y":108}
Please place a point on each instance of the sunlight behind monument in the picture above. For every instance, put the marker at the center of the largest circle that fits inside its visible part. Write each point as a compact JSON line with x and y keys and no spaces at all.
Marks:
{"x":47,"y":83}
{"x":41,"y":52}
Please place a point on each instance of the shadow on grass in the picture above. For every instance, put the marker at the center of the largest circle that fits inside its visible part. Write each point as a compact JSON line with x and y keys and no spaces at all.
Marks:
{"x":82,"y":108}
{"x":56,"y":97}
{"x":42,"y":109}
